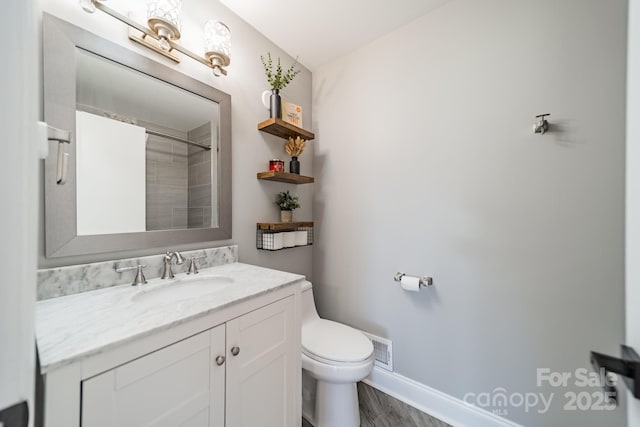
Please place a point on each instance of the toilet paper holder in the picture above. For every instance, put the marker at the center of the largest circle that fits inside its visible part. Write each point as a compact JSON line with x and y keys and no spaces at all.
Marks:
{"x":423,"y":281}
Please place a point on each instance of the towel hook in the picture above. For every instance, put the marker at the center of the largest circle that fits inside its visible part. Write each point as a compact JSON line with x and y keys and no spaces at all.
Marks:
{"x":62,"y":137}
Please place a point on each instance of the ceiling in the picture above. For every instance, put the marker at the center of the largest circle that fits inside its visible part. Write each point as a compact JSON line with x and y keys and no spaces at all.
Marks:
{"x":320,"y":31}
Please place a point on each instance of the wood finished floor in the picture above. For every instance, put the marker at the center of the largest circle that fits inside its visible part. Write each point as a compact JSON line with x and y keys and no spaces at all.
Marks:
{"x":380,"y":410}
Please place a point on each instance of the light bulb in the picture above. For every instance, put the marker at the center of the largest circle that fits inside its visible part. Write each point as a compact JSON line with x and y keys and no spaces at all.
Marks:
{"x":164,"y":44}
{"x":88,"y":6}
{"x":216,"y":71}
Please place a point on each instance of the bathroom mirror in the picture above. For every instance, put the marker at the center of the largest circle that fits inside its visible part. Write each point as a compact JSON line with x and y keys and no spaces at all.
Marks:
{"x":149,"y":163}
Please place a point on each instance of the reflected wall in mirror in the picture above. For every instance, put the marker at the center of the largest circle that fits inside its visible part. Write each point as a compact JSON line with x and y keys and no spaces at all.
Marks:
{"x":157,"y":137}
{"x":150,"y":158}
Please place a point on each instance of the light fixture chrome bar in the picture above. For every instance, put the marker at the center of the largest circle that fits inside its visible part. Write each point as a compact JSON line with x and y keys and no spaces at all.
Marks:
{"x":141,"y":38}
{"x":185,"y":51}
{"x":148,"y":33}
{"x":175,"y":138}
{"x":124,"y":19}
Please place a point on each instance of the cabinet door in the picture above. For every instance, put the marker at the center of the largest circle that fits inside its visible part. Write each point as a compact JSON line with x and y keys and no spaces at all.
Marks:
{"x":261,"y":377}
{"x":179,"y":385}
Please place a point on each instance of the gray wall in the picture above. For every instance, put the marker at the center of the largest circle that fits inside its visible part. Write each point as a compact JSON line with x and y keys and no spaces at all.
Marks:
{"x":426,"y":163}
{"x":253,"y":200}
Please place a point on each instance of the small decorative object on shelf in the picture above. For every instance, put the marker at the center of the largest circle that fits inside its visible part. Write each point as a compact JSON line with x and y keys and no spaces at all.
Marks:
{"x":287,"y":202}
{"x":277,"y":80}
{"x":292,"y":113}
{"x":276,"y":165}
{"x":294,"y":165}
{"x":294,"y":148}
{"x":275,"y":103}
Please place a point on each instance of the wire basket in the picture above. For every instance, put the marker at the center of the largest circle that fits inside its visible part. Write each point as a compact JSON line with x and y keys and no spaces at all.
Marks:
{"x":274,"y":240}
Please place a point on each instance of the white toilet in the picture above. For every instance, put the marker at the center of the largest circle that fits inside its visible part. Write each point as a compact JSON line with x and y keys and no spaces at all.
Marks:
{"x":337,"y":356}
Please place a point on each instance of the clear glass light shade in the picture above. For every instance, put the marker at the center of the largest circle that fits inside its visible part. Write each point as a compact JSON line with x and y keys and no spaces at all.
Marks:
{"x":217,"y":43}
{"x":164,"y":18}
{"x":168,"y":10}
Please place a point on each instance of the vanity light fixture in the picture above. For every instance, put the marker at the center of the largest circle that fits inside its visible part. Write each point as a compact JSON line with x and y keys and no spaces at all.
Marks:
{"x":217,"y":45}
{"x":163,"y":18}
{"x":163,"y":32}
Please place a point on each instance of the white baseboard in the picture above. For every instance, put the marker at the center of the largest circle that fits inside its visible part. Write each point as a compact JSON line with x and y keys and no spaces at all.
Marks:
{"x":446,"y":408}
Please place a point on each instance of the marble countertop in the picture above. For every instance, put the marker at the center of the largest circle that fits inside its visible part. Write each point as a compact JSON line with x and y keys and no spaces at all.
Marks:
{"x":76,"y":326}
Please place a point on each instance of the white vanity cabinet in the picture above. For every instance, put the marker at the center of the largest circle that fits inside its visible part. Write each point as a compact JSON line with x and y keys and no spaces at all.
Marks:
{"x":243,"y":371}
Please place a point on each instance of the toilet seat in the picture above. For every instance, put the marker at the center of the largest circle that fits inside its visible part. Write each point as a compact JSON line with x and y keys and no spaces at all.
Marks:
{"x":334,"y":343}
{"x":336,"y":364}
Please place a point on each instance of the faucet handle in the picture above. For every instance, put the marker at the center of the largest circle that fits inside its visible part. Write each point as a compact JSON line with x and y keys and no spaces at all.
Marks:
{"x":193,"y":267}
{"x":139,"y":279}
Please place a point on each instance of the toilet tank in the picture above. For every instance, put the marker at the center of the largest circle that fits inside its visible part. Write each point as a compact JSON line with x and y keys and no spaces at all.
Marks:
{"x":309,"y":311}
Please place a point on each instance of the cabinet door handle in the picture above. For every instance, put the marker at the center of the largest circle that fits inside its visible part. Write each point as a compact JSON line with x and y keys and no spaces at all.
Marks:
{"x":235,"y":350}
{"x":220,"y":360}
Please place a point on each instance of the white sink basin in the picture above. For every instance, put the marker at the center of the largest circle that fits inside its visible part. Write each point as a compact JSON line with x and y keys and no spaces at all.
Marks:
{"x":183,"y":288}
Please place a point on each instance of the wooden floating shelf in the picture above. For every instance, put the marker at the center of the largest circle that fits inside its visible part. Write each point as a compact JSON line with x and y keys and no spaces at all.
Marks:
{"x":283,"y":226}
{"x":279,"y":127}
{"x":289,"y":178}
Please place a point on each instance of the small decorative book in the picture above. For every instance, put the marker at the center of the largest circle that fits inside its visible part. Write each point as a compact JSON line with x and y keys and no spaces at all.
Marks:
{"x":292,"y":113}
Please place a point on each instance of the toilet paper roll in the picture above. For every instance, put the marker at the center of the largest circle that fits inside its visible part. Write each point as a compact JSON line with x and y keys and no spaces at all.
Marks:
{"x":301,"y":238}
{"x":278,"y":241}
{"x":289,"y":239}
{"x":411,"y":284}
{"x":272,"y":241}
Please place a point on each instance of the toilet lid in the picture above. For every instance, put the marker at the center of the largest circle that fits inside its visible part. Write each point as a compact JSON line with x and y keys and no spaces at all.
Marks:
{"x":335,"y":341}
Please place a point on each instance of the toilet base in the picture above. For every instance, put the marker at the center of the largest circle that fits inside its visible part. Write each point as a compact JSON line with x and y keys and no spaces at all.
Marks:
{"x":337,"y":405}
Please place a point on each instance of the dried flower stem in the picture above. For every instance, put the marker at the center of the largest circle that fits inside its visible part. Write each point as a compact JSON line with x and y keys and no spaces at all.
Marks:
{"x":295,"y":147}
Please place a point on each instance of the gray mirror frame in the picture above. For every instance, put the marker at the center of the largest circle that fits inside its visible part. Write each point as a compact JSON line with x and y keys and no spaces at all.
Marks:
{"x":60,"y":42}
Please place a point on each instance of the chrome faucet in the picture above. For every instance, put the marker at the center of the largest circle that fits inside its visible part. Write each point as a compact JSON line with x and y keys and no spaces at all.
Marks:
{"x":167,"y":273}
